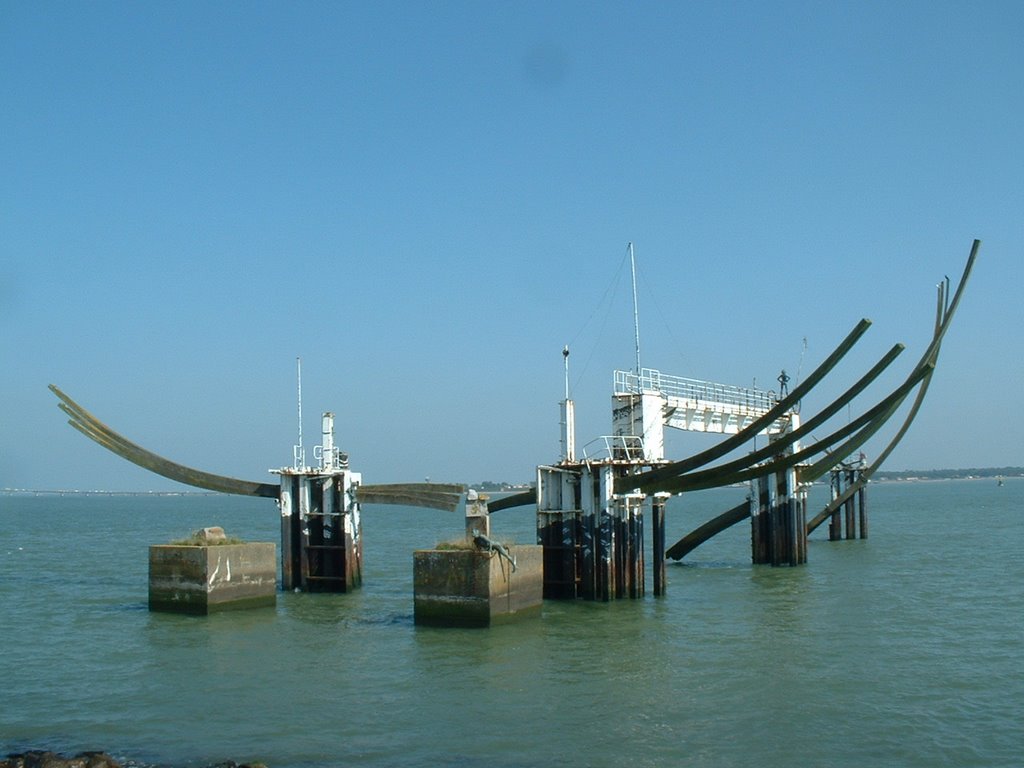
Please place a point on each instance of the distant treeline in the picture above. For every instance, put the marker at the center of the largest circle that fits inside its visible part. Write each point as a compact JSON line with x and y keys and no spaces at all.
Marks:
{"x":490,"y":486}
{"x":949,"y":474}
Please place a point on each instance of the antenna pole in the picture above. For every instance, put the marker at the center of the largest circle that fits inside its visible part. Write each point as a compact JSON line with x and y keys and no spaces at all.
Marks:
{"x":565,"y":356}
{"x":300,"y":457}
{"x":636,"y":312}
{"x":568,"y":416}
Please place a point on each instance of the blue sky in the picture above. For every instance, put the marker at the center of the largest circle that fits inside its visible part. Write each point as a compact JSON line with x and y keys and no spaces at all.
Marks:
{"x":426,"y":201}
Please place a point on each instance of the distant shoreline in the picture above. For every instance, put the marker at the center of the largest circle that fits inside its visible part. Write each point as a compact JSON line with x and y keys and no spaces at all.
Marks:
{"x":972,"y":473}
{"x":887,"y":476}
{"x":73,"y":492}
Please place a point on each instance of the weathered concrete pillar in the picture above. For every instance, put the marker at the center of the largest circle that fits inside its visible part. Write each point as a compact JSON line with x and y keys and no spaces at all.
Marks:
{"x":477,"y":588}
{"x":204,"y":577}
{"x":478,"y":521}
{"x":479,"y":581}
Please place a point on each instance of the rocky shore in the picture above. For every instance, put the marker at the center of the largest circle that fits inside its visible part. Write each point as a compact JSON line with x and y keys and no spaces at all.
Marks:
{"x":88,"y":760}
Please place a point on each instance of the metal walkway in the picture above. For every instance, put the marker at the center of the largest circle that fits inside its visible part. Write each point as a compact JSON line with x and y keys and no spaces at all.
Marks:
{"x":701,"y":406}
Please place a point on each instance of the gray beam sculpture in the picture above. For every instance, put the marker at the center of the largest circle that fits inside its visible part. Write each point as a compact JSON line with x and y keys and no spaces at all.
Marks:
{"x":647,"y":480}
{"x":868,"y":424}
{"x":741,"y":470}
{"x":445,"y":496}
{"x":679,"y":476}
{"x":943,"y":316}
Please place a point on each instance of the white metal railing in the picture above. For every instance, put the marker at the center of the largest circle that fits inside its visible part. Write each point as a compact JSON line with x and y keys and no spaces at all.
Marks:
{"x":629,"y":447}
{"x":651,"y":380}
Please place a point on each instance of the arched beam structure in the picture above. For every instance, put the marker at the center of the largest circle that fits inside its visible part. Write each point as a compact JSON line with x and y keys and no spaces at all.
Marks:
{"x":653,"y":480}
{"x":444,"y":496}
{"x":712,"y":527}
{"x":515,"y":500}
{"x":862,"y":429}
{"x":746,"y":467}
{"x":945,"y":309}
{"x":650,"y":481}
{"x":679,"y":476}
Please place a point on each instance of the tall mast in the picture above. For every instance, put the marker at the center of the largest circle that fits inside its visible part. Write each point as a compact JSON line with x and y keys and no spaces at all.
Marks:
{"x":636,"y":312}
{"x":565,"y":357}
{"x":300,"y":453}
{"x":568,"y":416}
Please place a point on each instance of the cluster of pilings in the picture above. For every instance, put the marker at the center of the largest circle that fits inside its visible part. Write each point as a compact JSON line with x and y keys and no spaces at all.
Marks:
{"x":593,"y":539}
{"x":853,"y":512}
{"x":596,"y":556}
{"x":321,"y":531}
{"x":778,"y":520}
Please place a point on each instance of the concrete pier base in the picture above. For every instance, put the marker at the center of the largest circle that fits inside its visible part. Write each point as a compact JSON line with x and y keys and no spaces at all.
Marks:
{"x":473,"y":588}
{"x":204,"y":579}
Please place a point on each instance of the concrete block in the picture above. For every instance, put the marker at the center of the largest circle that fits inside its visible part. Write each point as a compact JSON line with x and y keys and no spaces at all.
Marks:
{"x":471,"y":588}
{"x":204,"y":579}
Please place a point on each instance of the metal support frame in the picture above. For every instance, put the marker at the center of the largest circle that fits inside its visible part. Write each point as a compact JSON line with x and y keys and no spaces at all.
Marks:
{"x":593,"y":536}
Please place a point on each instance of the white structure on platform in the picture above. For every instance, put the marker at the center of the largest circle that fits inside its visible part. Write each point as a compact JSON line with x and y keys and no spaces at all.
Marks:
{"x":589,"y":513}
{"x":321,"y":531}
{"x":643,"y":405}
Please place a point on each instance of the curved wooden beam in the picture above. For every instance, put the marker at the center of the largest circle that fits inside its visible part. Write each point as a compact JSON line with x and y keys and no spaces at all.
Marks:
{"x":865,"y":475}
{"x":835,"y":504}
{"x":872,"y":420}
{"x":811,"y":473}
{"x":712,"y":527}
{"x":647,"y":480}
{"x":515,"y":500}
{"x":445,"y":496}
{"x":741,"y":471}
{"x":784,"y":441}
{"x":99,"y":432}
{"x":931,"y":354}
{"x":943,"y":317}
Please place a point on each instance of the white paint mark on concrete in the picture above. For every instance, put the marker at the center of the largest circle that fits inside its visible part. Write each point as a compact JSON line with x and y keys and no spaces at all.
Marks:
{"x":216,"y":570}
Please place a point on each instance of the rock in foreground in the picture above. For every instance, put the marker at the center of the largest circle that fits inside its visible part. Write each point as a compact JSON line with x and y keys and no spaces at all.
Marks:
{"x":88,"y":760}
{"x":53,"y":760}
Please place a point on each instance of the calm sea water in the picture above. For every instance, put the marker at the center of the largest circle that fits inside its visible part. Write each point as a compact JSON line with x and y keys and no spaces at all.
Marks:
{"x":904,"y":649}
